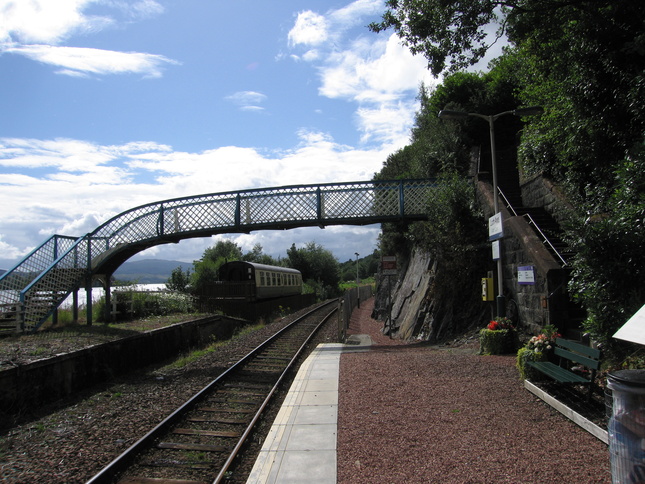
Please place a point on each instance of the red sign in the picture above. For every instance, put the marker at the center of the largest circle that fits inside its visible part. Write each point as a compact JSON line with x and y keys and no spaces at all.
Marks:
{"x":388,"y":265}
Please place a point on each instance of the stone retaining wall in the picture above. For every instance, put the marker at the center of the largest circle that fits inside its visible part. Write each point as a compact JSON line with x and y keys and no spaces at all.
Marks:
{"x":539,"y":191}
{"x":50,"y":379}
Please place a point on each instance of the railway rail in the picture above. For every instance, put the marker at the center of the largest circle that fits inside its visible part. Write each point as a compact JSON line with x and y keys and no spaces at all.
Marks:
{"x":198,"y":442}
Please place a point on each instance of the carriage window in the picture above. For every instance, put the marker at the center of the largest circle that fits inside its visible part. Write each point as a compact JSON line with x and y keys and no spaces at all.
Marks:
{"x":262,"y":278}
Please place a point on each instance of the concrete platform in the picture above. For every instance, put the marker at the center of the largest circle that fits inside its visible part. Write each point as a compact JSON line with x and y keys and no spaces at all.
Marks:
{"x":301,"y":445}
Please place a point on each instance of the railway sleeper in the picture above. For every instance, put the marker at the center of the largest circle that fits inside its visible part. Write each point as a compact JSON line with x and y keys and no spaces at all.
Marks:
{"x":241,"y":401}
{"x":202,"y":465}
{"x":158,"y":480}
{"x":227,"y":410}
{"x":192,"y":446}
{"x":208,"y":433}
{"x":232,"y":421}
{"x":250,"y":385}
{"x":242,"y":391}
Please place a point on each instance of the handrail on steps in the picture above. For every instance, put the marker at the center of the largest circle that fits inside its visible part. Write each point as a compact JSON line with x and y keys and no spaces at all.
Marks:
{"x":545,"y":239}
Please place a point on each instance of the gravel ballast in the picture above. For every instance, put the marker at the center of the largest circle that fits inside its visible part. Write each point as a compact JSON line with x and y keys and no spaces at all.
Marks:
{"x":420,"y":413}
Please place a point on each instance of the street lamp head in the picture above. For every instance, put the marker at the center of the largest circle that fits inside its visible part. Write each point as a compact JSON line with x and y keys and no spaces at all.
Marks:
{"x":532,"y":111}
{"x":447,"y":114}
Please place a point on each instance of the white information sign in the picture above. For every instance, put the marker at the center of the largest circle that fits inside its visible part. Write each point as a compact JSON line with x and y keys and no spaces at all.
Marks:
{"x":495,"y":227}
{"x":525,"y":275}
{"x":495,"y":249}
{"x":634,"y":329}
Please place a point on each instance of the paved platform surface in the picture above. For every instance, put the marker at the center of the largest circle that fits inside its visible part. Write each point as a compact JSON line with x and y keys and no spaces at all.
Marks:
{"x":301,"y":445}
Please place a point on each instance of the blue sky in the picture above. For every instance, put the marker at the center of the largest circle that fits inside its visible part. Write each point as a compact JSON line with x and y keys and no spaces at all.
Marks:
{"x":109,"y":104}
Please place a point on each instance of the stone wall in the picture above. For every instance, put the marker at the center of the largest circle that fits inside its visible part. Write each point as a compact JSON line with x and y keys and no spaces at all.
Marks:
{"x":539,"y":191}
{"x":53,"y":378}
{"x":543,"y":302}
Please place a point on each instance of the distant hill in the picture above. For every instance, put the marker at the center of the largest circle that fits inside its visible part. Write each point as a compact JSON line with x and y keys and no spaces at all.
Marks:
{"x":146,"y":271}
{"x":149,"y":271}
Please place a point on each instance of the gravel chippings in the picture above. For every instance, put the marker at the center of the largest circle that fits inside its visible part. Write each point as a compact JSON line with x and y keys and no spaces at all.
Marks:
{"x":417,"y":413}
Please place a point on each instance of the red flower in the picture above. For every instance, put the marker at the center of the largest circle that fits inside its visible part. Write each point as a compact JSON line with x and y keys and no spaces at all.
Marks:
{"x":493,"y":325}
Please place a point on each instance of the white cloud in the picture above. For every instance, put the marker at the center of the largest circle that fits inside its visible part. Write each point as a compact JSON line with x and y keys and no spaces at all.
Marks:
{"x":310,"y":29}
{"x":46,"y":21}
{"x":373,"y":71}
{"x":79,"y":60}
{"x":10,"y":252}
{"x":354,"y":12}
{"x":247,"y":100}
{"x":35,"y":28}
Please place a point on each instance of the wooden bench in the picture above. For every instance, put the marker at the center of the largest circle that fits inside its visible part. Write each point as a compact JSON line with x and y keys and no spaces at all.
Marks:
{"x":570,"y":352}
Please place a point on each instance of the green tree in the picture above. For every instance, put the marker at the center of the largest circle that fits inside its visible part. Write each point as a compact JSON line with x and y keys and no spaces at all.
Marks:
{"x":258,"y":256}
{"x":444,"y":32}
{"x":179,"y":280}
{"x":207,"y":268}
{"x":316,"y":264}
{"x":609,"y":268}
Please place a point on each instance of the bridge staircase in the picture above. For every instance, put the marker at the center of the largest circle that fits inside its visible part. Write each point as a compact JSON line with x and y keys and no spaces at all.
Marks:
{"x":33,"y":289}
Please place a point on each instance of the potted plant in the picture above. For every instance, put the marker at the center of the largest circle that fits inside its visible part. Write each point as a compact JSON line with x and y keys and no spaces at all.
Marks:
{"x":498,"y":338}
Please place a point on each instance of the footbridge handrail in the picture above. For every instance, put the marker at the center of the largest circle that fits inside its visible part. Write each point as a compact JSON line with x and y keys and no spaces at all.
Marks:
{"x":39,"y":283}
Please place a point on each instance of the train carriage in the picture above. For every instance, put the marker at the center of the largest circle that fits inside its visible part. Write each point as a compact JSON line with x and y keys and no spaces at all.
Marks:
{"x":261,"y":281}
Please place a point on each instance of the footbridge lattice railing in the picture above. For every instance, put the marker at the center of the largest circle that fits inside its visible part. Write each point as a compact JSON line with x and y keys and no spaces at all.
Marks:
{"x":42,"y":281}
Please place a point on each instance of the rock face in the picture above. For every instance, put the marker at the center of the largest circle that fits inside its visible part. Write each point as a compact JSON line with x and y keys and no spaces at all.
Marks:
{"x":417,"y":312}
{"x":409,"y":297}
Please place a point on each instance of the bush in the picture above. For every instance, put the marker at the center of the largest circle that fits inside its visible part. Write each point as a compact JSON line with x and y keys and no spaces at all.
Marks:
{"x":142,"y":304}
{"x":525,"y":355}
{"x":497,"y":341}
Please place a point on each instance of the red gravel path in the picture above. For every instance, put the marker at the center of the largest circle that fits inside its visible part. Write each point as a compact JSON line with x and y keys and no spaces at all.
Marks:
{"x":418,"y":414}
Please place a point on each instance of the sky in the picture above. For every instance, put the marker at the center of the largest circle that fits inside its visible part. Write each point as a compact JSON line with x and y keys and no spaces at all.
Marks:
{"x":110,"y":104}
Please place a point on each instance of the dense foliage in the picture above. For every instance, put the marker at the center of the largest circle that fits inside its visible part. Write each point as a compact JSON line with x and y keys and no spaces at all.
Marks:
{"x":584,"y":62}
{"x":367,"y":267}
{"x":318,"y":266}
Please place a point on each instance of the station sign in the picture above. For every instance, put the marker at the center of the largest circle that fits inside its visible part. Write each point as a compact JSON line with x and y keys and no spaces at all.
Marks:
{"x":495,"y":250}
{"x":495,"y":227}
{"x":388,"y":265}
{"x":525,"y":275}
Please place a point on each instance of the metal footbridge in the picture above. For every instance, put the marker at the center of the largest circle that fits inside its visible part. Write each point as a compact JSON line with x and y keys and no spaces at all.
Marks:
{"x":32,"y":291}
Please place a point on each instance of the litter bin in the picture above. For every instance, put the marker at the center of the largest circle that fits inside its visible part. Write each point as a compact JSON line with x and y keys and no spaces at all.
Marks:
{"x":627,"y":426}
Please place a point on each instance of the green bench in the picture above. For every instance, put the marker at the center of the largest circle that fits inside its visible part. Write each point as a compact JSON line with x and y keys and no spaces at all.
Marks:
{"x":570,"y":352}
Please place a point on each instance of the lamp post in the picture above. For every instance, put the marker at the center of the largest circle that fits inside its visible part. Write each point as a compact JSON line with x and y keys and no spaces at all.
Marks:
{"x":458,"y":115}
{"x":358,"y":294}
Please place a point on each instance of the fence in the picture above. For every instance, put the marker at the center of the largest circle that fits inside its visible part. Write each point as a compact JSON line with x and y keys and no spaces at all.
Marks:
{"x":348,"y":302}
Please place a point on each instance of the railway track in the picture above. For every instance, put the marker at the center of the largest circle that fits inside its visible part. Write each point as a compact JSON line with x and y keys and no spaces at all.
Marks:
{"x":199,"y":441}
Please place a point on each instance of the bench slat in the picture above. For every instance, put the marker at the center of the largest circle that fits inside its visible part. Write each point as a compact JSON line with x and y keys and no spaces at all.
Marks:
{"x":557,"y":373}
{"x":578,"y":348}
{"x":583,"y":360}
